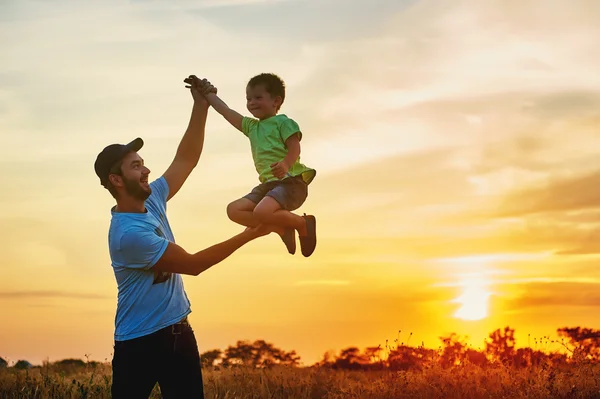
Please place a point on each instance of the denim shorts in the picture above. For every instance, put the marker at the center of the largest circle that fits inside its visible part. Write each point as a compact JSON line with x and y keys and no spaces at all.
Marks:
{"x":290,"y":192}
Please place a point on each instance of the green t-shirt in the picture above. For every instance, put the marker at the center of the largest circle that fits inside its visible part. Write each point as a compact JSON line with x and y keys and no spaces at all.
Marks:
{"x":267,"y":142}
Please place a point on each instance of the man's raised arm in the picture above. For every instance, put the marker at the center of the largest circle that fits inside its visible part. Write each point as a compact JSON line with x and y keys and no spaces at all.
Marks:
{"x":190,"y":146}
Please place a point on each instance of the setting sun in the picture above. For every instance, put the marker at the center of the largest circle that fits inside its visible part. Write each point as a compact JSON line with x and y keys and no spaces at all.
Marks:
{"x":473,"y":299}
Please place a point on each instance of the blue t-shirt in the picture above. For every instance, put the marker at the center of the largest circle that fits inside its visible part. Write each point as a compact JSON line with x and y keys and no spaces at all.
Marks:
{"x":147,"y":301}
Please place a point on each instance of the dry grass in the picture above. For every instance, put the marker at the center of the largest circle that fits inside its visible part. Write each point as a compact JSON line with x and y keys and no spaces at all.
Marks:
{"x":575,"y":381}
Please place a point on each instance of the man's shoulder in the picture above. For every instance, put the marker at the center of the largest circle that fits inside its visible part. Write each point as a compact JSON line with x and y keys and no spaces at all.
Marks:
{"x":160,"y":191}
{"x":122,"y":225}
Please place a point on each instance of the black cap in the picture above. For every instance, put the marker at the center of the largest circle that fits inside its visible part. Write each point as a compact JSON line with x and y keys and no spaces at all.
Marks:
{"x":112,"y":154}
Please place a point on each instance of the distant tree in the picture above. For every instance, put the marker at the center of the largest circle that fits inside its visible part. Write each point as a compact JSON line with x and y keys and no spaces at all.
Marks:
{"x":72,"y":366}
{"x":70,"y":363}
{"x":327,"y":360}
{"x":289,"y":358}
{"x":405,"y":357}
{"x":265,"y":354}
{"x":240,"y":354}
{"x":258,"y":354}
{"x":585,"y":340}
{"x":475,"y":357}
{"x":210,"y":357}
{"x":22,"y":365}
{"x":501,"y":346}
{"x":350,"y":359}
{"x":3,"y":363}
{"x":373,"y":354}
{"x":453,"y":350}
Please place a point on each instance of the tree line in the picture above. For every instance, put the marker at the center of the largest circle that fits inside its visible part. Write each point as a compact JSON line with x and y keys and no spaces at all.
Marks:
{"x":576,"y":344}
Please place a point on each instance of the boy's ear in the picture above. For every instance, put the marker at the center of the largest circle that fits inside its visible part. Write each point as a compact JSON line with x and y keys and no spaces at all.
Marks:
{"x":278,"y":101}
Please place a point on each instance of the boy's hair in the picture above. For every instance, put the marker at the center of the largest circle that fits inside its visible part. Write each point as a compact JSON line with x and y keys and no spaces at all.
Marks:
{"x":272,"y":83}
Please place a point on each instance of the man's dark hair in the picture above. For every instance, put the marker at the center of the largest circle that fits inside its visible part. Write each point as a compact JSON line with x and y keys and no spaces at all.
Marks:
{"x":272,"y":83}
{"x":115,"y":170}
{"x":110,"y":160}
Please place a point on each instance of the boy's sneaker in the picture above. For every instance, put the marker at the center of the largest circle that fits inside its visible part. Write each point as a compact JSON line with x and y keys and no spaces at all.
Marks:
{"x":308,"y":242}
{"x":289,"y":239}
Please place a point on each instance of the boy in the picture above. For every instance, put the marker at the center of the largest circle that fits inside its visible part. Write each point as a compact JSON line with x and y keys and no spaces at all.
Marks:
{"x":275,"y":144}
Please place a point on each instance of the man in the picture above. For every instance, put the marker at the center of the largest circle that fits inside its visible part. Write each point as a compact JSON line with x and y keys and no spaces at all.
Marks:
{"x":153,"y":340}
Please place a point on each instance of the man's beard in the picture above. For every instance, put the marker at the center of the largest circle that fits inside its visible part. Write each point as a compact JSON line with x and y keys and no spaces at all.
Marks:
{"x":134,"y":188}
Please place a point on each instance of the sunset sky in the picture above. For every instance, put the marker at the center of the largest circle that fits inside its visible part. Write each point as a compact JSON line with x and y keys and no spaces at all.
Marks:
{"x":456,"y":145}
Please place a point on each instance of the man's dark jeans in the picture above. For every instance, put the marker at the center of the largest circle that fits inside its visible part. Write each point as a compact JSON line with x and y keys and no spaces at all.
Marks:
{"x":169,"y":356}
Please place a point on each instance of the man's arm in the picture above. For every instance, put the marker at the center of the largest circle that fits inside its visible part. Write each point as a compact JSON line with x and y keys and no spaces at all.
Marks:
{"x":229,"y":114}
{"x":176,"y":260}
{"x":190,"y":146}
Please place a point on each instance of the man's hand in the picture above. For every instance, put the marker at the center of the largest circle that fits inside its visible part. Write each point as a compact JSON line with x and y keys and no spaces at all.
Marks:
{"x":204,"y":86}
{"x":280,"y":169}
{"x":198,"y":88}
{"x":260,"y":230}
{"x":209,"y":92}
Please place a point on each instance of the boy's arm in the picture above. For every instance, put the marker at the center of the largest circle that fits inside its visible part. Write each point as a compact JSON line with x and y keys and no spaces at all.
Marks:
{"x":280,"y":168}
{"x":219,"y":105}
{"x":293,"y":145}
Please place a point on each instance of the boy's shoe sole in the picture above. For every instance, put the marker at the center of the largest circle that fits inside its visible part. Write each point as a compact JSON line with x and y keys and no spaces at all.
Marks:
{"x":308,"y":243}
{"x":289,"y":239}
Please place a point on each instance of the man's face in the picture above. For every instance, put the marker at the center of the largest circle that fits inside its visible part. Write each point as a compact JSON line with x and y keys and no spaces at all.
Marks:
{"x":135,"y":176}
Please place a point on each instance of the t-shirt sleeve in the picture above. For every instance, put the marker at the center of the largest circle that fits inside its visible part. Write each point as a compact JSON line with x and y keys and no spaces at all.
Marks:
{"x":247,"y":124}
{"x":288,"y":128}
{"x":142,"y":249}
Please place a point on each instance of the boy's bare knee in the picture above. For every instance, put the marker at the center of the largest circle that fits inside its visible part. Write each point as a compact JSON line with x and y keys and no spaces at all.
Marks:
{"x":230,"y":207}
{"x":232,"y":210}
{"x":261,"y":215}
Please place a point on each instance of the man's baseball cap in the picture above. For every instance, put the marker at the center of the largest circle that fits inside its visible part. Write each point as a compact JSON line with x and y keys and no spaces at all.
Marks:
{"x":112,"y":154}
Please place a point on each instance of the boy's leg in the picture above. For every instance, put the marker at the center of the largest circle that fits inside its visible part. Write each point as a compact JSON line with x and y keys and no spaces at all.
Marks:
{"x":241,"y":212}
{"x":269,"y":211}
{"x":263,"y":213}
{"x":275,"y":208}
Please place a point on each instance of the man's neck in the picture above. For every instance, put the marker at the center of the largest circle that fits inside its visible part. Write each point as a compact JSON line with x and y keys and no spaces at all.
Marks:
{"x":130,"y":205}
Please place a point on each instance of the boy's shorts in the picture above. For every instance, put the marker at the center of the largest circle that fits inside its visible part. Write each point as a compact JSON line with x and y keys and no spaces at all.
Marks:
{"x":290,"y":192}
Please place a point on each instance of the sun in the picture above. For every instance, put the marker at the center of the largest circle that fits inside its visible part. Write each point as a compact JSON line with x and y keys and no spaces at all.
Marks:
{"x":473,"y":299}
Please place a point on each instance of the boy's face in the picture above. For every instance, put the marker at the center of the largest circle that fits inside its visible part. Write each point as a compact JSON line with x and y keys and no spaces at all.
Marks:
{"x":260,"y":103}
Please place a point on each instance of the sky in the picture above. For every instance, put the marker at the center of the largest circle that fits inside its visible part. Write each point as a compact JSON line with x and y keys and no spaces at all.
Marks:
{"x":455,"y":145}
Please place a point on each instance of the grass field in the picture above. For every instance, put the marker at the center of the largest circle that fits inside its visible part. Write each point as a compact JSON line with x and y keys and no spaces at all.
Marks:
{"x":469,"y":381}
